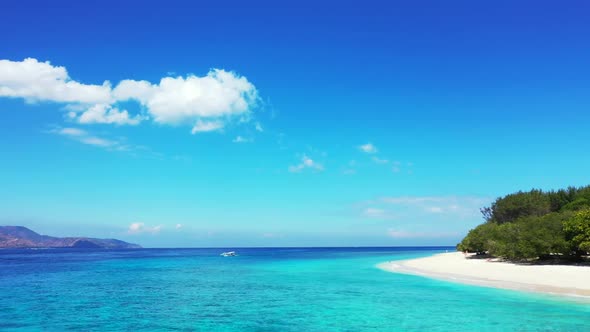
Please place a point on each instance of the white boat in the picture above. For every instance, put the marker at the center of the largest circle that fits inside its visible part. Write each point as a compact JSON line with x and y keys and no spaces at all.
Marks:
{"x":228,"y":253}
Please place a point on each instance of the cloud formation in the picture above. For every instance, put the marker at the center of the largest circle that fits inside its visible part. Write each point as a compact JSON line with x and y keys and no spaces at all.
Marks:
{"x":368,"y":148}
{"x":376,"y":213}
{"x":377,"y":160}
{"x":400,"y":234}
{"x":203,"y":127}
{"x":451,"y":206}
{"x":85,"y":137}
{"x":306,"y":163}
{"x":207,"y":102}
{"x":424,"y":216}
{"x":101,"y":113}
{"x":458,"y":205}
{"x":37,"y":81}
{"x":240,"y":139}
{"x":139,"y":227}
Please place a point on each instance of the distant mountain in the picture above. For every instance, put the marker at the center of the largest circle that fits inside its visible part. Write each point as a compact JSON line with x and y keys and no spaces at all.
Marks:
{"x":22,"y":237}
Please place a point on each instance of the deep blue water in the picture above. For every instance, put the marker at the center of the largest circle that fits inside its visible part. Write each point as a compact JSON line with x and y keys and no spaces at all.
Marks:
{"x":280,"y":289}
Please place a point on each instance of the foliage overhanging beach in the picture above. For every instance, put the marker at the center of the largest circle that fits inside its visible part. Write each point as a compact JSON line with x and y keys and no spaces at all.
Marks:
{"x":535,"y":226}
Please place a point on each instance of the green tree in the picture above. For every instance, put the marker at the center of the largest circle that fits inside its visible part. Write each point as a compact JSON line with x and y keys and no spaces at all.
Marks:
{"x":561,"y":198}
{"x":534,"y":225}
{"x":478,"y":239}
{"x":520,"y":204}
{"x":529,"y":238}
{"x":577,"y":231}
{"x":579,"y":204}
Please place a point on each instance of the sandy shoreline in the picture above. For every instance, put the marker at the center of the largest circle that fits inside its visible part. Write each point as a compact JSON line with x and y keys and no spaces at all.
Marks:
{"x":455,"y":267}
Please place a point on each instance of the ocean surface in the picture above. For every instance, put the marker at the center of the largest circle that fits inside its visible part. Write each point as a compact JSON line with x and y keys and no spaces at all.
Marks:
{"x":280,"y":289}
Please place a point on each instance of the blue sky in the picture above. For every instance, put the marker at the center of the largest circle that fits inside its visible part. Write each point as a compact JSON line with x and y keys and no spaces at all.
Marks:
{"x":286,"y":124}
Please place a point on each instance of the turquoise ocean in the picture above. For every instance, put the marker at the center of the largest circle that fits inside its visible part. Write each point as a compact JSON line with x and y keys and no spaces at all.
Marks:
{"x":262,"y":289}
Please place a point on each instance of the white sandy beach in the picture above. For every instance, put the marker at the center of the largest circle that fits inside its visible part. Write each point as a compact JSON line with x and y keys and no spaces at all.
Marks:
{"x":554,"y":279}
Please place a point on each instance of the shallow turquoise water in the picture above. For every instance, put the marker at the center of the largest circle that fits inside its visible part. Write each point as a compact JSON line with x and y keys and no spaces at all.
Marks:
{"x":336,"y":289}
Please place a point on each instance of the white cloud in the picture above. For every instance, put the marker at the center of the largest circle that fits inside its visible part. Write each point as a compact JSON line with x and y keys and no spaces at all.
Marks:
{"x":425,"y":216}
{"x":139,"y":227}
{"x":412,"y":199}
{"x":203,"y":127}
{"x":306,"y":162}
{"x":434,"y":209}
{"x":83,"y":136}
{"x":71,"y":132}
{"x":179,"y":226}
{"x":207,"y":103}
{"x":37,"y":81}
{"x":372,"y":212}
{"x":380,"y":161}
{"x":415,"y":217}
{"x":240,"y":139}
{"x":368,"y":148}
{"x":101,"y":113}
{"x":376,"y":213}
{"x":401,"y":234}
{"x":135,"y":227}
{"x":97,"y":141}
{"x":258,"y":127}
{"x":130,"y":89}
{"x":219,"y":93}
{"x":459,"y":205}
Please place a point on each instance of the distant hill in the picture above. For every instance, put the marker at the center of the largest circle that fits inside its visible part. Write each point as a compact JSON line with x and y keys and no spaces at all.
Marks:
{"x":22,"y":237}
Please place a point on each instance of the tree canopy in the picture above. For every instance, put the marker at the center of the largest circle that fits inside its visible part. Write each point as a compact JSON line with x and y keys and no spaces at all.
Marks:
{"x":577,"y":231}
{"x":534,"y":224}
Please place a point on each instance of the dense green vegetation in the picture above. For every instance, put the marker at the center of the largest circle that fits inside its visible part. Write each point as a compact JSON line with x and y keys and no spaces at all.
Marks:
{"x":534,"y":225}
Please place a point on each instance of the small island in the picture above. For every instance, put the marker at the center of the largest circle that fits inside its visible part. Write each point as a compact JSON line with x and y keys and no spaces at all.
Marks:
{"x":534,"y":241}
{"x":22,"y":237}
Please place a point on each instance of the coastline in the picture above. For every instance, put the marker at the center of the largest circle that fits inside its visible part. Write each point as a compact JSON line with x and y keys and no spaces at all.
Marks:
{"x":561,"y":280}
